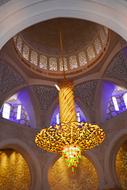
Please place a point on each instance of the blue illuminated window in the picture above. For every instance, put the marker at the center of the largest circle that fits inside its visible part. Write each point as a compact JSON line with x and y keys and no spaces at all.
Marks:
{"x":13,"y":110}
{"x":58,"y":118}
{"x":78,"y":116}
{"x":6,"y":111}
{"x":125,"y":99}
{"x":117,"y":103}
{"x":19,"y":110}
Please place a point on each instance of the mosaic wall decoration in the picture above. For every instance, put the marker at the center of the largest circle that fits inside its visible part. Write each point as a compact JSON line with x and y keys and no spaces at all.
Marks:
{"x":61,"y":178}
{"x":14,"y":171}
{"x":121,"y":166}
{"x":9,"y":79}
{"x":85,"y":92}
{"x":118,"y":67}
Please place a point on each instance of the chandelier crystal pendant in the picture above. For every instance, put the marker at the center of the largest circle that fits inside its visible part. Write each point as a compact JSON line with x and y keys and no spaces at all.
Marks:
{"x":70,"y":138}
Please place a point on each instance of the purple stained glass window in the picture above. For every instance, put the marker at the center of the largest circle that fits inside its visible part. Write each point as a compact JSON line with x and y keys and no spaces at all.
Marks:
{"x":13,"y":110}
{"x":117,"y":102}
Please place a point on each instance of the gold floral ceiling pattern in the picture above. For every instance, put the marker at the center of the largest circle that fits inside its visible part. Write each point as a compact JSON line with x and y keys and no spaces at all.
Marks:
{"x":61,"y":178}
{"x":14,"y":171}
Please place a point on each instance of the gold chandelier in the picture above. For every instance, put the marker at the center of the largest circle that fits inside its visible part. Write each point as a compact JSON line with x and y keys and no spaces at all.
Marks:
{"x":70,"y":138}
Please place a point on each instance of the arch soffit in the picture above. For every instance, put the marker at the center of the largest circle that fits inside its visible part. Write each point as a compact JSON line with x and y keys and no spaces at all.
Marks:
{"x":113,"y":14}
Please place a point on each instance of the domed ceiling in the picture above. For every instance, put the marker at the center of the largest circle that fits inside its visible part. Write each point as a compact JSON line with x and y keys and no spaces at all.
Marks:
{"x":76,"y":34}
{"x":83,"y":43}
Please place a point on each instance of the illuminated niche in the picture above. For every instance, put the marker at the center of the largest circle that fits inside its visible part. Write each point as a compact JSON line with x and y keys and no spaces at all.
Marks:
{"x":121,"y":165}
{"x":14,"y":171}
{"x":60,"y":177}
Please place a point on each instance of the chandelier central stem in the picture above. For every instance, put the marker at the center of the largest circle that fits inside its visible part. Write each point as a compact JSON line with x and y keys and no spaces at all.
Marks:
{"x":66,"y":102}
